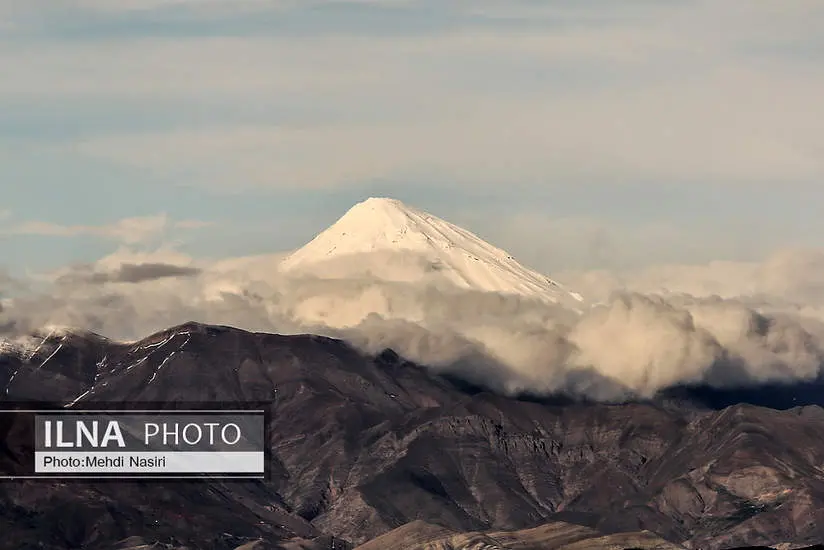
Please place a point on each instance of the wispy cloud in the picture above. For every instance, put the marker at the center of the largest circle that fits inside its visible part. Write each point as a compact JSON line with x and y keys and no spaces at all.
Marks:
{"x":128,"y":230}
{"x":670,"y":131}
{"x":646,"y":92}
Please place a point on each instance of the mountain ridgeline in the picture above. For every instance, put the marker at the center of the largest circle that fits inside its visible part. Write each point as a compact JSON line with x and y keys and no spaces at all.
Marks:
{"x":375,"y":448}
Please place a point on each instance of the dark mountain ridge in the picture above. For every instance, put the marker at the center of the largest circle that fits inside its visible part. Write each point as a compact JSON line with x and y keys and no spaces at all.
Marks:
{"x":362,"y":445}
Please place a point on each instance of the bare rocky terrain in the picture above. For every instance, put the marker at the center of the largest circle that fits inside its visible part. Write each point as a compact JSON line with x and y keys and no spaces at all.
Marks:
{"x":379,"y":449}
{"x":419,"y":535}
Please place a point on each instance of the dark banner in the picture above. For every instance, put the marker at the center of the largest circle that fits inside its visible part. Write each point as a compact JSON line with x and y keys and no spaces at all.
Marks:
{"x":136,"y":440}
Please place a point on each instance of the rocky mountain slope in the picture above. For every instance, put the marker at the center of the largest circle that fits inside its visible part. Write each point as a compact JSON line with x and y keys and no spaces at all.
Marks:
{"x":363,"y":445}
{"x":420,"y":535}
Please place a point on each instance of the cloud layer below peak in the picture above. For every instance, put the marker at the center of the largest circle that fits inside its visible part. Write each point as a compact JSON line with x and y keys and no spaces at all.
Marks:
{"x":633,"y":344}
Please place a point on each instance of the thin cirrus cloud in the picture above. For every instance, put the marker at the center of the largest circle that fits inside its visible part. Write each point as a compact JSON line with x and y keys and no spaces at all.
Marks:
{"x":617,"y":137}
{"x":685,"y":91}
{"x":135,"y":230}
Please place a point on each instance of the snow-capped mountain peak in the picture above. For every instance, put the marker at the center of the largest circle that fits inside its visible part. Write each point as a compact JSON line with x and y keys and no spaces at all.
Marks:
{"x":390,"y":240}
{"x":386,"y":224}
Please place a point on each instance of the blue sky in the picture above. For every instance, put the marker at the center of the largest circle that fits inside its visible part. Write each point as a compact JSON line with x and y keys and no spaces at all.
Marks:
{"x":575,"y":134}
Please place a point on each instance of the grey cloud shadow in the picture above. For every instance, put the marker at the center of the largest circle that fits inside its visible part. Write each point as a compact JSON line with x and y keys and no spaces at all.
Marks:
{"x":127,"y":273}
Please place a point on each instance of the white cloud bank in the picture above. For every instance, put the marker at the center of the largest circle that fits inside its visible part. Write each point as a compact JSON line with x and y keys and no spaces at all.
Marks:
{"x":768,"y":327}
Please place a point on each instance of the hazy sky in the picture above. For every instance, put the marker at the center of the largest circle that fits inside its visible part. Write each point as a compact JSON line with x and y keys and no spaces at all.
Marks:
{"x":577,"y":134}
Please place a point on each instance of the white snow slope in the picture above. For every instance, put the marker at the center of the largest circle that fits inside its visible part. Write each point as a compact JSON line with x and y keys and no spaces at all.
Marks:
{"x":388,"y":240}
